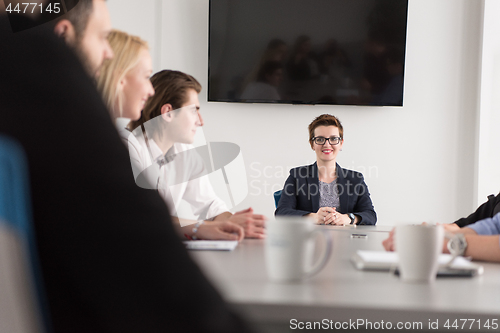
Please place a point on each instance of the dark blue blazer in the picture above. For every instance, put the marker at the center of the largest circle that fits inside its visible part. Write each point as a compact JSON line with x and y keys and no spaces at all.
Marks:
{"x":300,"y":195}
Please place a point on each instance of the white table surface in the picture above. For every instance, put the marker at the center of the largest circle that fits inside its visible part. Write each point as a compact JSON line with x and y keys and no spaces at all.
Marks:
{"x":340,"y":292}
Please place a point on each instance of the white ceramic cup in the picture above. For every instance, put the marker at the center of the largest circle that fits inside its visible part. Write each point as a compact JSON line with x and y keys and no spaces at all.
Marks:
{"x":418,"y":248}
{"x":289,"y":248}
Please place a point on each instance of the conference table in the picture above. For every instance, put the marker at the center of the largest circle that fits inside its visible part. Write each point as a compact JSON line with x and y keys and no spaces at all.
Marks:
{"x":341,"y":296}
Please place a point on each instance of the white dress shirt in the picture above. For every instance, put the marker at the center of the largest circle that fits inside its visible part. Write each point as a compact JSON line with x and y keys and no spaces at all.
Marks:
{"x":181,"y":176}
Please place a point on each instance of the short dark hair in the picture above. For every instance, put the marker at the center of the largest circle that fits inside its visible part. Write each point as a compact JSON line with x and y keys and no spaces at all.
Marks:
{"x":325,"y":120}
{"x":78,"y":13}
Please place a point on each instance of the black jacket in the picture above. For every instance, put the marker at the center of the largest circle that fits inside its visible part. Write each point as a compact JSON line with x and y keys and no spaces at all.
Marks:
{"x":300,"y":194}
{"x":488,"y":209}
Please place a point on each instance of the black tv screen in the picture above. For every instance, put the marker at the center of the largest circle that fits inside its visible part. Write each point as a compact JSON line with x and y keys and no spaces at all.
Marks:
{"x":345,"y":52}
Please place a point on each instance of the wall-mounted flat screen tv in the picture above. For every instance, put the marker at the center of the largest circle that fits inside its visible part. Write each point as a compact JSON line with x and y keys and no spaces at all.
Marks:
{"x":339,"y":52}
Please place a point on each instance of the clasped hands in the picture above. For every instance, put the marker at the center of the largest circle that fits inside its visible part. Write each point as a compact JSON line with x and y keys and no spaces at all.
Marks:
{"x":254,"y":225}
{"x":227,"y":226}
{"x":329,"y":215}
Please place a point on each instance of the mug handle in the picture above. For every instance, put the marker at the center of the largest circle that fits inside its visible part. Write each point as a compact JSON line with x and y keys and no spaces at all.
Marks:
{"x":320,"y":264}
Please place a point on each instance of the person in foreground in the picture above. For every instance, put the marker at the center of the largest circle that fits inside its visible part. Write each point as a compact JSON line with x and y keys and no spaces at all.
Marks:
{"x":109,"y":260}
{"x":165,"y":130}
{"x":125,"y":85}
{"x":479,"y":240}
{"x":325,"y":191}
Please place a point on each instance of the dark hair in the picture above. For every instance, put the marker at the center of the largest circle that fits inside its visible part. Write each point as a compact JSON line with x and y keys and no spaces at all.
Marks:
{"x":268,"y":68}
{"x":325,"y":120}
{"x":170,"y":88}
{"x":78,"y":13}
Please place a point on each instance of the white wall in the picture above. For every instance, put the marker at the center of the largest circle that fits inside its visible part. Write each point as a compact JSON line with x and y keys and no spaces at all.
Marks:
{"x":419,"y":160}
{"x":488,"y":162}
{"x":139,"y":19}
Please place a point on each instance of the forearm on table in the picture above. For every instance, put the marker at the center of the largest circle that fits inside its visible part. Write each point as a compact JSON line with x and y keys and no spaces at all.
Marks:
{"x":484,"y":248}
{"x":223,"y":216}
{"x":466,"y":231}
{"x":184,"y":226}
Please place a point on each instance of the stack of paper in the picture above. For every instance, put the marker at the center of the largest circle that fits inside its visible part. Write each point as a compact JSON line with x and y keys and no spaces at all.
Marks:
{"x":382,"y":260}
{"x":218,"y":245}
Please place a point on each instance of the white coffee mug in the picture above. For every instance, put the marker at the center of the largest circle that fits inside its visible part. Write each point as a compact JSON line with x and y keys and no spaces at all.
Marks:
{"x":290,"y":247}
{"x":419,"y":248}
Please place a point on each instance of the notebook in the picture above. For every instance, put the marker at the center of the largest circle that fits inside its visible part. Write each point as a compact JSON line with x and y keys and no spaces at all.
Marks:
{"x":214,"y":245}
{"x":385,"y":261}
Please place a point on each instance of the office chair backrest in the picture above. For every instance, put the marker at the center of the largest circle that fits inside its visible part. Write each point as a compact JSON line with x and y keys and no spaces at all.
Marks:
{"x":22,"y":304}
{"x":277,"y":196}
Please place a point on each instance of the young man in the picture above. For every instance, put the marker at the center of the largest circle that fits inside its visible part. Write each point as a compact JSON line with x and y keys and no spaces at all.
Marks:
{"x":109,"y":261}
{"x":166,"y":128}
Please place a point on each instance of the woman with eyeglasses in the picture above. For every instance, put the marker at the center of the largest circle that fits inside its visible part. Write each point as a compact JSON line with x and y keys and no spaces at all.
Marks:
{"x":325,"y":191}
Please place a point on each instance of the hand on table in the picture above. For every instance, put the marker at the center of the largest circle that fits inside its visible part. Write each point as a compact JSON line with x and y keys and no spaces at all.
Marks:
{"x":220,"y":230}
{"x":329,"y":215}
{"x":253,"y":224}
{"x":320,"y":216}
{"x":388,"y":243}
{"x":451,"y":228}
{"x":336,"y":218}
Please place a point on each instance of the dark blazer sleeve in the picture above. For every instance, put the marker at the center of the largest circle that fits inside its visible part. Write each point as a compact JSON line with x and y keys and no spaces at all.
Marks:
{"x":488,"y":209}
{"x":291,"y":202}
{"x":363,"y":203}
{"x":110,"y":257}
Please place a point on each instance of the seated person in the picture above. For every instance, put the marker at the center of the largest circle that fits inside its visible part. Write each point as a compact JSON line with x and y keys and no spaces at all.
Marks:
{"x":488,"y":209}
{"x":125,"y":85}
{"x":323,"y":190}
{"x":479,"y":240}
{"x":166,"y":127}
{"x":110,"y":258}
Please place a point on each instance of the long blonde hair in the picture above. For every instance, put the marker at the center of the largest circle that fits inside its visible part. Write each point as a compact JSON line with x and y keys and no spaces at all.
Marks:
{"x":127,"y":50}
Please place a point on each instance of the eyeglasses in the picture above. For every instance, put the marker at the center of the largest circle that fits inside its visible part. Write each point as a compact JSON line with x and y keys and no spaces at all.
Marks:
{"x":333,"y":140}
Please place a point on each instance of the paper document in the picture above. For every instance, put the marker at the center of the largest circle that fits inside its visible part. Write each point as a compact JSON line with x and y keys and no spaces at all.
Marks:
{"x":383,"y":260}
{"x":215,"y":245}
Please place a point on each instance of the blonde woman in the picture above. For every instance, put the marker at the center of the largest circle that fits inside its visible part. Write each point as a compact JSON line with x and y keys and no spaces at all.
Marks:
{"x":124,"y":80}
{"x":125,"y":87}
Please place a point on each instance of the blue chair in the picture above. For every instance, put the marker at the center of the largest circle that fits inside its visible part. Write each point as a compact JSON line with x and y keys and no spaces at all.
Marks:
{"x":24,"y":306}
{"x":277,"y":196}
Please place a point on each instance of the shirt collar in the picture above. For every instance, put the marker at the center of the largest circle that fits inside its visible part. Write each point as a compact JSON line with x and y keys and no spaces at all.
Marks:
{"x":158,"y":155}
